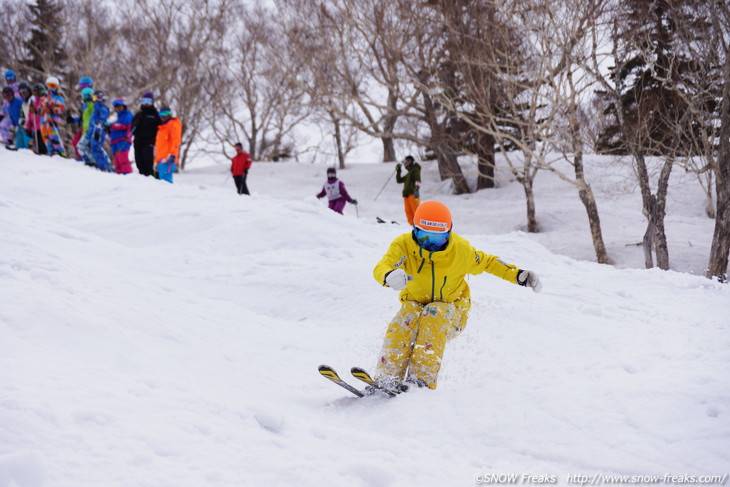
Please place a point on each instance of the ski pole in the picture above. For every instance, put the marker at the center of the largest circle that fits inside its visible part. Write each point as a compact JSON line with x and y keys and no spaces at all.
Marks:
{"x":357,"y":212}
{"x":386,"y":183}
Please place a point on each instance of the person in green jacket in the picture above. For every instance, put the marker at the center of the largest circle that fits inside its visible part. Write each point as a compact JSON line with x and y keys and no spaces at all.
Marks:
{"x":411,"y":185}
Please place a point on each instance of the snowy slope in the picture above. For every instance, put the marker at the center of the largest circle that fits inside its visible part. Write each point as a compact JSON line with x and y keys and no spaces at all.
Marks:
{"x":168,"y":335}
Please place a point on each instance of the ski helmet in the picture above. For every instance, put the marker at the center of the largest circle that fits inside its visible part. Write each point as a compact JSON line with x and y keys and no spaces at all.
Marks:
{"x":23,"y":86}
{"x":99,"y":95}
{"x":331,"y":172}
{"x":8,"y":89}
{"x":52,"y":83}
{"x":38,"y":87}
{"x":10,"y":75}
{"x":409,"y":160}
{"x":432,"y":225}
{"x":165,"y":111}
{"x":85,"y":82}
{"x":87,"y":93}
{"x":119,"y":102}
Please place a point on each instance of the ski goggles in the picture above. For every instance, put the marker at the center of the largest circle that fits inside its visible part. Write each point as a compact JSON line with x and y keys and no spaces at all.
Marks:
{"x":146,"y":101}
{"x":165,"y":113}
{"x":432,"y":241}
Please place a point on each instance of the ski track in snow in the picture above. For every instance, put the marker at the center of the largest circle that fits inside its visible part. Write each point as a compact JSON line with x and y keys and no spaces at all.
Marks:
{"x":155,"y":334}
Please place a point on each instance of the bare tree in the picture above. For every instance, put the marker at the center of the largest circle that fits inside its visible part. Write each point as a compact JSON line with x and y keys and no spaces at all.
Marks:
{"x":645,"y":94}
{"x":256,"y":101}
{"x":13,"y":24}
{"x":340,"y":50}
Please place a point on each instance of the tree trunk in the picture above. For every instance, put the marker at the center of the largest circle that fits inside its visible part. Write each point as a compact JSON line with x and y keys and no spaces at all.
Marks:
{"x":338,"y":143}
{"x":441,"y":145}
{"x":662,"y":250}
{"x":388,"y":149}
{"x":449,"y":166}
{"x":710,"y":210}
{"x":388,"y":126}
{"x":594,"y":222}
{"x":485,"y":162}
{"x":586,"y":196}
{"x":718,"y":265}
{"x":648,"y":240}
{"x":532,"y":226}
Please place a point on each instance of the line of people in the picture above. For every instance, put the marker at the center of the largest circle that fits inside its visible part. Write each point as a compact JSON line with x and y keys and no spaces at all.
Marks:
{"x":33,"y":118}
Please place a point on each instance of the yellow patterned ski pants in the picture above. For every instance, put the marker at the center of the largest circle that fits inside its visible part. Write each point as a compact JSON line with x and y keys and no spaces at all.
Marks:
{"x":415,"y":342}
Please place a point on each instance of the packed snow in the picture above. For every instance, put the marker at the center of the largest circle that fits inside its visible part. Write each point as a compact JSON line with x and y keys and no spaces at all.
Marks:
{"x":169,"y":335}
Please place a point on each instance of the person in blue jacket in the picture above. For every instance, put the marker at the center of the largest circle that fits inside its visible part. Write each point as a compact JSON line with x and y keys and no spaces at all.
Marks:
{"x":10,"y":117}
{"x":96,"y":133}
{"x":120,"y":137}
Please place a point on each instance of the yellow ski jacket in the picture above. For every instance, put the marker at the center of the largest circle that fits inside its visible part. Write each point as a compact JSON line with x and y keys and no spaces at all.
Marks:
{"x":439,"y":276}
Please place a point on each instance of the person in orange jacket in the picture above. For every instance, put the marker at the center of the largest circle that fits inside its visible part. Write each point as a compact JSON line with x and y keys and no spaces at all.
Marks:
{"x":240,"y":164}
{"x":167,"y":144}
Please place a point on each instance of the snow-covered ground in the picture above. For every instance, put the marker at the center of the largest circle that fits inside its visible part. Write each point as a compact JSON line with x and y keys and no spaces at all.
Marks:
{"x":169,"y":335}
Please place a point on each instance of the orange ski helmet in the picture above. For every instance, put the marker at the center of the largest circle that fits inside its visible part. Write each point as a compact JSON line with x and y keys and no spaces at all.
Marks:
{"x":433,"y":216}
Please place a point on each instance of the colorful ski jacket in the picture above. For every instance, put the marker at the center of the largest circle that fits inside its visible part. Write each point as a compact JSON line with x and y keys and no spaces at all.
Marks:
{"x":412,"y":180}
{"x":335,"y":189}
{"x":240,"y":164}
{"x":169,"y":138}
{"x":39,"y":105}
{"x":439,"y":276}
{"x":57,"y":105}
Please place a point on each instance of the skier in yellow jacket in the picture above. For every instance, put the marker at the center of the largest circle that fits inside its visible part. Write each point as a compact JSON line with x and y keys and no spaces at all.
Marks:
{"x":428,"y":267}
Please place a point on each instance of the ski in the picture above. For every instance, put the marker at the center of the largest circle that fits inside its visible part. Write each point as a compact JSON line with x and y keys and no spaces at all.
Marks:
{"x":329,"y":373}
{"x":362,"y":374}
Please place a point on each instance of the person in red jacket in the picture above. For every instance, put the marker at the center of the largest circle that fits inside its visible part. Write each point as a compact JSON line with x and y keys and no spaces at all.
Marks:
{"x":240,"y":164}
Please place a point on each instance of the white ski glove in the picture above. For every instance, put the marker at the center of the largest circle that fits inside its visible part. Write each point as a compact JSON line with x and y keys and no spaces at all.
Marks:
{"x":529,"y":279}
{"x":397,"y":279}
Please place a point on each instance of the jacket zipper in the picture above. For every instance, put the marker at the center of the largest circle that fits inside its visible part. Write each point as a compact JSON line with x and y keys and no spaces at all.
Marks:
{"x":433,"y":281}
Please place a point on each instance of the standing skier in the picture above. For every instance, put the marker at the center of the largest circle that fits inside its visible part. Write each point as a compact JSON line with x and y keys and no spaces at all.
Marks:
{"x":240,"y":164}
{"x":82,"y":142}
{"x":335,"y":191}
{"x":86,"y":90}
{"x":144,"y":127}
{"x":96,"y":133}
{"x":51,"y":125}
{"x":428,"y":266}
{"x":167,"y":144}
{"x":22,"y":139}
{"x":411,"y":186}
{"x":34,"y":123}
{"x":120,"y":139}
{"x":10,"y":117}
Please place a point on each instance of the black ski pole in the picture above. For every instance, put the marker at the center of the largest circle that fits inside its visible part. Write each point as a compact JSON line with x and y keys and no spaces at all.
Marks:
{"x":386,"y":183}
